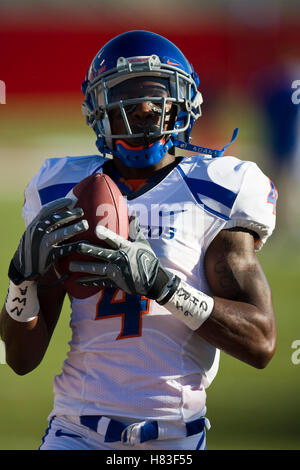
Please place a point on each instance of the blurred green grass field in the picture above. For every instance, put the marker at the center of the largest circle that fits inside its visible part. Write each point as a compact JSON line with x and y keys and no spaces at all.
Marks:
{"x":248,"y":408}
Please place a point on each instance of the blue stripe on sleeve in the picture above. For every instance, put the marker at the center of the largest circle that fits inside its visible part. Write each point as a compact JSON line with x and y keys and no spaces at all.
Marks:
{"x":56,"y":191}
{"x":200,"y":187}
{"x":212,"y":190}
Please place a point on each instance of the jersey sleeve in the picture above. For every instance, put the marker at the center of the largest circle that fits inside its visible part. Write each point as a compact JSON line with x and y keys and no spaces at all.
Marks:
{"x":32,"y":202}
{"x":55,"y":179}
{"x":255,"y":205}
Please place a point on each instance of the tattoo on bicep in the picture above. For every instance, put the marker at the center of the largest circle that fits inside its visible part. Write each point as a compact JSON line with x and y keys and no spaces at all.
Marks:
{"x":225,"y":276}
{"x":232,"y":265}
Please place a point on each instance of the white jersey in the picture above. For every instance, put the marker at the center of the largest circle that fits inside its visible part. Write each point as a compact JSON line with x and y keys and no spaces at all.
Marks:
{"x":128,"y":355}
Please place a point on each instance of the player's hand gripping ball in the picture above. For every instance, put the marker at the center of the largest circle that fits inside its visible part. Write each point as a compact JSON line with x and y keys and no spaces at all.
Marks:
{"x":102,"y":204}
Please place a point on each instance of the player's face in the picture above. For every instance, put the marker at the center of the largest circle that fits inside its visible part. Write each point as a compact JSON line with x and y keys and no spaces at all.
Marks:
{"x":142,"y":116}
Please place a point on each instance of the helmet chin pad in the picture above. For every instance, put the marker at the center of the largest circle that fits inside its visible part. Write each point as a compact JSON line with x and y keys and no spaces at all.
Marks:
{"x":140,"y":157}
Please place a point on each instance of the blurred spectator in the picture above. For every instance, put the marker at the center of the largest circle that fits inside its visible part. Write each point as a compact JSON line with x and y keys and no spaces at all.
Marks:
{"x":273,"y":91}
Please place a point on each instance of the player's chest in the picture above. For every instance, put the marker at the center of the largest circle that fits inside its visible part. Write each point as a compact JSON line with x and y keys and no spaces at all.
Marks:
{"x":174,"y":223}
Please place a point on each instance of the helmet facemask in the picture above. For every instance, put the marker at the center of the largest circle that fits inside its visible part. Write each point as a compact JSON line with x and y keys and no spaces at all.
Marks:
{"x":141,"y":110}
{"x":170,"y":94}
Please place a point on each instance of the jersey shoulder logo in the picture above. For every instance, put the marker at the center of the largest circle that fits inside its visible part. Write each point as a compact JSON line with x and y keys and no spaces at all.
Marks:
{"x":273,"y":196}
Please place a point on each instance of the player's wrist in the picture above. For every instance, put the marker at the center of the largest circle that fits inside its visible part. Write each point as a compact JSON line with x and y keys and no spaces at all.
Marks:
{"x":169,"y":289}
{"x":14,"y":274}
{"x":188,"y":304}
{"x":164,"y":283}
{"x":22,"y":303}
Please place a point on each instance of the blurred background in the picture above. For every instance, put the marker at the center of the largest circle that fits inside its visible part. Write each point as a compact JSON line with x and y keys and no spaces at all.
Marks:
{"x":247,"y":55}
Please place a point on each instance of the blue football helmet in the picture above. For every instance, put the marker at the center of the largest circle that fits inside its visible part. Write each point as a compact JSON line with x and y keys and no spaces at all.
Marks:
{"x":123,"y":63}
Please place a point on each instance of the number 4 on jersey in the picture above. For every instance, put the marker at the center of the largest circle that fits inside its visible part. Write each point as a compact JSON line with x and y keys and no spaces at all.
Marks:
{"x":115,"y":303}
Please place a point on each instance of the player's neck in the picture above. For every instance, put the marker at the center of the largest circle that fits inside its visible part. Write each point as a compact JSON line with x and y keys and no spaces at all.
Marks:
{"x":136,"y":173}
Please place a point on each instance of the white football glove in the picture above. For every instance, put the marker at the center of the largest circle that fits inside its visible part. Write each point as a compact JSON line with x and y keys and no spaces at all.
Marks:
{"x":130,"y":265}
{"x":38,"y":247}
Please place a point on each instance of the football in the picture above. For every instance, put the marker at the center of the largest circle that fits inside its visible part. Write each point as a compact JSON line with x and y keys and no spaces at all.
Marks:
{"x":102,"y":203}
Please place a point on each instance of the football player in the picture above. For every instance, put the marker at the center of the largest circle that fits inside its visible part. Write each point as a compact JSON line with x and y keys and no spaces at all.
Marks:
{"x":184,"y":286}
